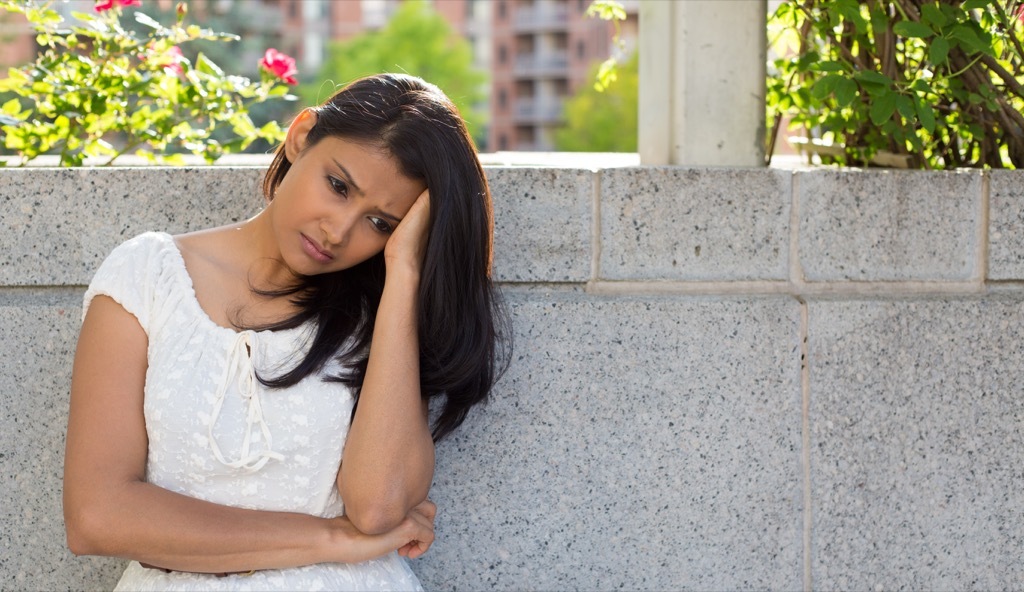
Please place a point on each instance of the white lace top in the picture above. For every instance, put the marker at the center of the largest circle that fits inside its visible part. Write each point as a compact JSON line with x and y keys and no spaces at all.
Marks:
{"x":217,"y":434}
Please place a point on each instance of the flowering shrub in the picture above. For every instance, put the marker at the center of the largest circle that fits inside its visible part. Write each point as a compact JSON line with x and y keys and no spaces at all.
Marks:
{"x":98,"y":90}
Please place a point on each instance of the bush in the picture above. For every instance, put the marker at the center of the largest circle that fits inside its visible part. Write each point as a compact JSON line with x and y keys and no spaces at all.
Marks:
{"x":940,"y":83}
{"x":99,"y":90}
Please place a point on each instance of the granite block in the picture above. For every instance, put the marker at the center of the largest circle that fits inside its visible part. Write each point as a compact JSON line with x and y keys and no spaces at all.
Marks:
{"x":1006,"y":225}
{"x":637,"y":444}
{"x":889,"y":225}
{"x":38,"y":332}
{"x":61,"y":223}
{"x":916,"y":414}
{"x":671,"y":223}
{"x":542,"y":223}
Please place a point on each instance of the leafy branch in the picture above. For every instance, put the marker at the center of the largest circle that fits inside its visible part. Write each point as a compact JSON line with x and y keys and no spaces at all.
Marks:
{"x":938,"y":84}
{"x":99,"y":90}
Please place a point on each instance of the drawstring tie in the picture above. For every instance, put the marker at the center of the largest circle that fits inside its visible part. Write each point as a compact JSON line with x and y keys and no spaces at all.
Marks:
{"x":240,"y":362}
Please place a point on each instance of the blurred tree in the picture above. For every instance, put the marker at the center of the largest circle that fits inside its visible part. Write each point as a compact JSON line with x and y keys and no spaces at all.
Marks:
{"x":603,"y":120}
{"x":418,"y":41}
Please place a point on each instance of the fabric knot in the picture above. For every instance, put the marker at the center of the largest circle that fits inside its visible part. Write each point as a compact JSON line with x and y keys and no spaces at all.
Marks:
{"x":240,"y":364}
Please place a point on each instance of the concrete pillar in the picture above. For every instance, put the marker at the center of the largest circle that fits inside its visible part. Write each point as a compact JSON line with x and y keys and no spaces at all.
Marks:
{"x":702,"y":82}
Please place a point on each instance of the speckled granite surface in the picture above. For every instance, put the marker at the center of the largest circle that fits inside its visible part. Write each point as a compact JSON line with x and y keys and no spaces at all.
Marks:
{"x":63,"y":222}
{"x":695,"y":224}
{"x":542,"y":224}
{"x":917,"y":441}
{"x":38,"y":331}
{"x":1006,"y":225}
{"x":636,"y":444}
{"x":888,"y":225}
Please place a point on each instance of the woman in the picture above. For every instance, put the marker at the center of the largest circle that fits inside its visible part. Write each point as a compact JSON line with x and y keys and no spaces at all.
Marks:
{"x":214,"y":436}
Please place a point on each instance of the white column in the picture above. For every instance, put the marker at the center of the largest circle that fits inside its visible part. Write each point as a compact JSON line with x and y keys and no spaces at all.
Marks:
{"x":702,"y":81}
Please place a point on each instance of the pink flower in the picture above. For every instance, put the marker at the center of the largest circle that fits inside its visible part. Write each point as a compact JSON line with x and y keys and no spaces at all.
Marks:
{"x":105,"y":5}
{"x":174,"y":55}
{"x":170,"y":60}
{"x":1020,"y":13}
{"x":279,"y":65}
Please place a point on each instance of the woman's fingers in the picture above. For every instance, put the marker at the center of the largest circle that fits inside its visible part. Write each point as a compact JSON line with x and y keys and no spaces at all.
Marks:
{"x":411,"y":538}
{"x":408,"y":243}
{"x":423,"y":519}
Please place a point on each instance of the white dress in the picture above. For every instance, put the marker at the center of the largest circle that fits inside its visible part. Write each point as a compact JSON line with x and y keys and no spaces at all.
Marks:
{"x":217,"y":434}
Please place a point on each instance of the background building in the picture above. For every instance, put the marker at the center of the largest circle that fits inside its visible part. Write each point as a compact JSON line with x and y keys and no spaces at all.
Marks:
{"x":544,"y":50}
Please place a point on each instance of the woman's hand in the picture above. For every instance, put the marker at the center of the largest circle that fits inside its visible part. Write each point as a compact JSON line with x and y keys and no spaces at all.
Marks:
{"x":408,"y":243}
{"x":412,"y":537}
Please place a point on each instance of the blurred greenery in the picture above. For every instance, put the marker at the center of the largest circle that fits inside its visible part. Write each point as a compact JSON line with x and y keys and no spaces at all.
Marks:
{"x":603,"y":120}
{"x":418,"y":41}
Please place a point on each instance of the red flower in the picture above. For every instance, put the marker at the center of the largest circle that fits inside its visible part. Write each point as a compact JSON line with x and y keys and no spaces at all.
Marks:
{"x":279,"y":65}
{"x":1020,"y":13}
{"x":105,"y":5}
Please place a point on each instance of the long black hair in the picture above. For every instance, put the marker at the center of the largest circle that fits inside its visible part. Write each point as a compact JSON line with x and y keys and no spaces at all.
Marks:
{"x":464,"y":335}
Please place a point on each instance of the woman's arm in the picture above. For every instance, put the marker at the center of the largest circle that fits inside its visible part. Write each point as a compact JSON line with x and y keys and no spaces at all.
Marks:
{"x":388,"y":462}
{"x":110,"y":510}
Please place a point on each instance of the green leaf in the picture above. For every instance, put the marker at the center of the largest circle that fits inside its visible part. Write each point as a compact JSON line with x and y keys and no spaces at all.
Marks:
{"x":932,"y":15}
{"x":905,"y":106}
{"x":12,"y":107}
{"x":883,"y":107}
{"x":846,"y":91}
{"x":972,"y":4}
{"x":173,"y":159}
{"x":872,"y":77}
{"x":206,"y":66}
{"x":912,"y":29}
{"x":938,"y":51}
{"x":607,"y":10}
{"x":968,"y":39}
{"x":825,"y":86}
{"x":921,"y":86}
{"x":828,"y":66}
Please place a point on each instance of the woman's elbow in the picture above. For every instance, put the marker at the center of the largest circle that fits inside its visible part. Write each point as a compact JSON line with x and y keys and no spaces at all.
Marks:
{"x":375,"y":518}
{"x":83,"y":532}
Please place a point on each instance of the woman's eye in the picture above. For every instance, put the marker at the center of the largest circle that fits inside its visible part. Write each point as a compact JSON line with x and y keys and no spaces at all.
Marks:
{"x":381,"y":225}
{"x":338,"y":185}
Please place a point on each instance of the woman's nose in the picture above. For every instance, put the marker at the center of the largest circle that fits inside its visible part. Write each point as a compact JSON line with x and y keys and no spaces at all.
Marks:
{"x":337,"y":228}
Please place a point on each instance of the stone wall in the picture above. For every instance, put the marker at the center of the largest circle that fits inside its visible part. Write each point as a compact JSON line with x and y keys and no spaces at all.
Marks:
{"x":723,"y":378}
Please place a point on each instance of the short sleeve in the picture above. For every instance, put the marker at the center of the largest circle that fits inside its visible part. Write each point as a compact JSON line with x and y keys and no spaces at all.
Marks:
{"x":130,"y":275}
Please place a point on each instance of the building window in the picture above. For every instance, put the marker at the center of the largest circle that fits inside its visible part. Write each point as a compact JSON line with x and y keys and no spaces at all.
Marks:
{"x":581,"y":49}
{"x":502,"y":99}
{"x":502,"y":142}
{"x":501,"y":9}
{"x":502,"y":54}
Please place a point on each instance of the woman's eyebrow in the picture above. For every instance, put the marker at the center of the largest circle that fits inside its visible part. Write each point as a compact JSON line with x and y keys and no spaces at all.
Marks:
{"x":351,"y":181}
{"x":391,"y":217}
{"x":354,"y":186}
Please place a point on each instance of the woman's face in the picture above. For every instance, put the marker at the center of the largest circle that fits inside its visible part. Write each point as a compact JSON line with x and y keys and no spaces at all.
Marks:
{"x":338,"y":204}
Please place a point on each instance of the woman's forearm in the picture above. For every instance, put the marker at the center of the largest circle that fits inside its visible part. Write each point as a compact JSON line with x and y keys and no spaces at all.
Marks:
{"x":388,"y":463}
{"x":138,"y":520}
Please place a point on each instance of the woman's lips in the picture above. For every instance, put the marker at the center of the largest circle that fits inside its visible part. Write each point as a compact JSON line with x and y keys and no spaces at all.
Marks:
{"x":314,"y":251}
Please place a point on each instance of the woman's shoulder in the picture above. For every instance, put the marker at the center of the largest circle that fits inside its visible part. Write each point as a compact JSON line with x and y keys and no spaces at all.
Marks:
{"x":135,"y":272}
{"x":142,"y":250}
